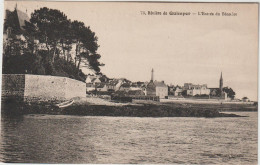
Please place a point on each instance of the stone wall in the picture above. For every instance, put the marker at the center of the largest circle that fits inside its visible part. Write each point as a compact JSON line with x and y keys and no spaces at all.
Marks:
{"x":13,"y":85}
{"x":75,"y":88}
{"x":41,"y":87}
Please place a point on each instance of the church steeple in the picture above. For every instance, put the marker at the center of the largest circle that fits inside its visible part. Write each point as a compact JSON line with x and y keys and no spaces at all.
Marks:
{"x":221,"y":83}
{"x":152,"y":76}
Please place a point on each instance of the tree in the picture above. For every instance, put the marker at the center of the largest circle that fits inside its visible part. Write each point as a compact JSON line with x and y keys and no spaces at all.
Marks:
{"x":15,"y":47}
{"x":230,"y":92}
{"x":49,"y":39}
{"x":86,"y":46}
{"x":30,"y":32}
{"x":77,"y":29}
{"x":37,"y":66}
{"x":184,"y":93}
{"x":66,"y":40}
{"x":49,"y":27}
{"x":94,"y":63}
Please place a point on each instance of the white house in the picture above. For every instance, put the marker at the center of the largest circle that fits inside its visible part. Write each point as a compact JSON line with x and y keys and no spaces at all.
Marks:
{"x":88,"y":79}
{"x":178,"y":91}
{"x":193,"y":90}
{"x":161,"y":89}
{"x":102,"y":87}
{"x":90,"y":87}
{"x":96,"y":81}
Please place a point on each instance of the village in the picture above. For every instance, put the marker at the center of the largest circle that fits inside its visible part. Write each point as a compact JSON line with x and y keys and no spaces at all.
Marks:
{"x":157,"y":90}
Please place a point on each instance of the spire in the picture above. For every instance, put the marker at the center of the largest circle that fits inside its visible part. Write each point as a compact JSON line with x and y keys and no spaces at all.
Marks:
{"x":152,"y":76}
{"x":221,"y":82}
{"x":16,"y":6}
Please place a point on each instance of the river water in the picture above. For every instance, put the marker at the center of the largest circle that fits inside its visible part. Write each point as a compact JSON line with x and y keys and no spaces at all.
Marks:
{"x":84,"y":139}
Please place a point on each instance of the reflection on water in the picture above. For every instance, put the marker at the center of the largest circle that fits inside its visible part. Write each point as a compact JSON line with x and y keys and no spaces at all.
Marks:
{"x":73,"y":139}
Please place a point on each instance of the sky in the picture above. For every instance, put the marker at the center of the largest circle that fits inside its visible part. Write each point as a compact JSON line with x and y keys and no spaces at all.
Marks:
{"x":180,"y":49}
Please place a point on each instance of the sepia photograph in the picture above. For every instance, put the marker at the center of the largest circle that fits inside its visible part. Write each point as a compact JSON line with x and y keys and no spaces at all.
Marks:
{"x":129,"y":82}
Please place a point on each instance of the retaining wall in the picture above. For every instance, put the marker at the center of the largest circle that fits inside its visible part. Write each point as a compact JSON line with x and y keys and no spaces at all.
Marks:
{"x":41,"y":87}
{"x":13,"y":85}
{"x":75,"y":88}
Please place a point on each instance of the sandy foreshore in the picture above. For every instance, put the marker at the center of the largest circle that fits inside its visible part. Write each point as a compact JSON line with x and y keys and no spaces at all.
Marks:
{"x":98,"y":101}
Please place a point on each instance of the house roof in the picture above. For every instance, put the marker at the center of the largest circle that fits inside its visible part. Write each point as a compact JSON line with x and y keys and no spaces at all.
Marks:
{"x":89,"y":85}
{"x":93,"y":79}
{"x":103,"y":78}
{"x":151,"y":84}
{"x":113,"y":82}
{"x":135,"y":88}
{"x":146,"y":83}
{"x":134,"y":85}
{"x":22,"y":17}
{"x":125,"y":85}
{"x":137,"y":84}
{"x":136,"y":92}
{"x":16,"y":17}
{"x":101,"y":85}
{"x":160,"y":84}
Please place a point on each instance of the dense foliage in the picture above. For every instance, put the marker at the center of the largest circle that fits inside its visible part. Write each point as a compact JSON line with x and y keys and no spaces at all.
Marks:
{"x":230,"y":92}
{"x":52,"y":45}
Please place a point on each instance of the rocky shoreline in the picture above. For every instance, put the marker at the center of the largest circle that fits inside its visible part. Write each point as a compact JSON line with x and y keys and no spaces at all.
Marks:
{"x":137,"y":110}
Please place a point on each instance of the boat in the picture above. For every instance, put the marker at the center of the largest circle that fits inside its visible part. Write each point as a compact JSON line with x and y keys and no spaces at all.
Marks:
{"x":65,"y":104}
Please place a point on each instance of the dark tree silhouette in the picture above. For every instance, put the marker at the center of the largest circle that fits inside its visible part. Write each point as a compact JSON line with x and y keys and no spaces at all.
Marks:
{"x":230,"y":92}
{"x":49,"y":28}
{"x":49,"y":39}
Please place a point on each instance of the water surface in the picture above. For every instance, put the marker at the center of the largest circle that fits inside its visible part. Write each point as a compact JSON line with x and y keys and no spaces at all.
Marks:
{"x":83,"y":139}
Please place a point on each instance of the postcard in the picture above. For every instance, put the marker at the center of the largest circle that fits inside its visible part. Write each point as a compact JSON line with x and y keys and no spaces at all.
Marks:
{"x":129,"y":82}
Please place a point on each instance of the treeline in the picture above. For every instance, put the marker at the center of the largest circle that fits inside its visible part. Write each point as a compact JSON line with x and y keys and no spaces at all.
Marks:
{"x":49,"y":44}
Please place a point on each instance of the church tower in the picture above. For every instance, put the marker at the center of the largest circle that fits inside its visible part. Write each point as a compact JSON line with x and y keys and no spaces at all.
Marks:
{"x":152,"y":76}
{"x":151,"y":88}
{"x":221,"y":83}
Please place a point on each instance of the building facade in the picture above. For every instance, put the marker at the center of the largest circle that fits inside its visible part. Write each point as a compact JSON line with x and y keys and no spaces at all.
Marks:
{"x":161,"y":89}
{"x":156,"y":88}
{"x":193,"y":90}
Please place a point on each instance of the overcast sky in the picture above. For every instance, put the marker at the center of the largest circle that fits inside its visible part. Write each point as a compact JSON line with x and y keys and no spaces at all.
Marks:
{"x":180,"y":48}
